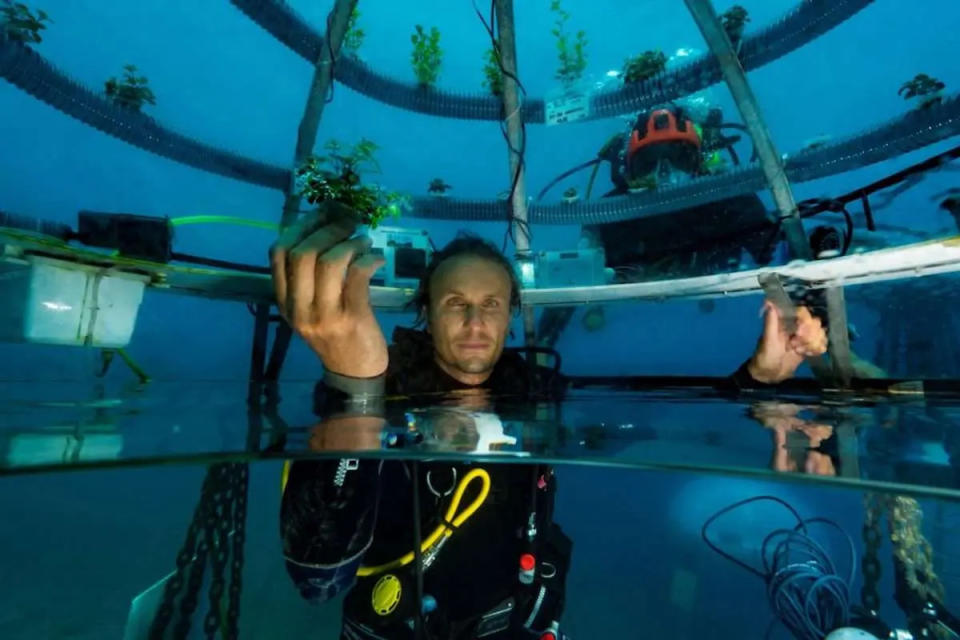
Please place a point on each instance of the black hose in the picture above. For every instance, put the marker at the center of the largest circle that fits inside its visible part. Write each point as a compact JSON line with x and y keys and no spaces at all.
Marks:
{"x":568,"y":173}
{"x":593,"y":177}
{"x":742,"y":127}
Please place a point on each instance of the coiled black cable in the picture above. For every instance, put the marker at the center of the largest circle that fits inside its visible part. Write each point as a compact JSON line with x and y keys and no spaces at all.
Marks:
{"x":804,"y":588}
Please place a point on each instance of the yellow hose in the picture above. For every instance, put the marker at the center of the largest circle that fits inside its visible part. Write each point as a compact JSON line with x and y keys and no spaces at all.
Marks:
{"x":443,"y":530}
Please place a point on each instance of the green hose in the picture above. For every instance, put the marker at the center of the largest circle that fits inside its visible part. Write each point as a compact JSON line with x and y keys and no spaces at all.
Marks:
{"x":244,"y":222}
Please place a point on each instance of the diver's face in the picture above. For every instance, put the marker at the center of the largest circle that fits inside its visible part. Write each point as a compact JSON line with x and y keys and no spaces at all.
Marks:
{"x":469,"y":316}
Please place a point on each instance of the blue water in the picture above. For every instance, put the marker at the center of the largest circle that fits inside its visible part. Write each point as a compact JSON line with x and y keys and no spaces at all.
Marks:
{"x":76,"y":547}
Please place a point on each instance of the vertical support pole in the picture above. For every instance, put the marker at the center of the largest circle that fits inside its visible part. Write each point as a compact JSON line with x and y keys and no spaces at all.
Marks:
{"x":316,"y":99}
{"x":337,"y":22}
{"x":770,"y":160}
{"x":848,"y":450}
{"x":514,"y":122}
{"x":258,"y":355}
{"x":839,"y":348}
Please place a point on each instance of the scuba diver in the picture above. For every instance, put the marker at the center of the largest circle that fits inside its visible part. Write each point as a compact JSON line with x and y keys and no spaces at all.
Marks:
{"x":665,"y":147}
{"x":434,"y":549}
{"x":446,"y":548}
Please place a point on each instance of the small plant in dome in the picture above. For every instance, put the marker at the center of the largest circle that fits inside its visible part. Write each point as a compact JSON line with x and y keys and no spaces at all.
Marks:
{"x":572,"y":55}
{"x":438,"y":187}
{"x":426,"y":56}
{"x":353,"y":38}
{"x":734,"y":21}
{"x":644,"y":183}
{"x":19,"y":24}
{"x":926,"y":90}
{"x":571,"y":195}
{"x":131,"y":92}
{"x":492,"y":72}
{"x":644,"y":66}
{"x":335,"y":178}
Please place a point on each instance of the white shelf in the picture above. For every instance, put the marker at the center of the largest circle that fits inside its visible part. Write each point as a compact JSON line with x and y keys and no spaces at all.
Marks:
{"x":898,"y":263}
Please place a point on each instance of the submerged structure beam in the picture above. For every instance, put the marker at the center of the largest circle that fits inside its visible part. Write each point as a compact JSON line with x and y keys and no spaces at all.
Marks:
{"x":770,"y":160}
{"x":506,"y":47}
{"x":320,"y":87}
{"x":29,"y":71}
{"x":804,"y":23}
{"x":316,"y":101}
{"x":909,"y":132}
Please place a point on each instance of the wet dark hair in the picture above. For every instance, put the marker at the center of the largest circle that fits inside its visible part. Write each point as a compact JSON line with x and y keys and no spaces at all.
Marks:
{"x":465,"y":244}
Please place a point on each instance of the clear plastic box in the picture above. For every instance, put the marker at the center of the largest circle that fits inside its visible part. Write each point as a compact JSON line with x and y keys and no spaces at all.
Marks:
{"x":48,"y":301}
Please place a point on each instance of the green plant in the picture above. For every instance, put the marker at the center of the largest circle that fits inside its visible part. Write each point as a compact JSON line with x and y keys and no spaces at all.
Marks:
{"x":132,"y":92}
{"x":573,"y":57}
{"x":438,"y":186}
{"x":921,"y":85}
{"x":492,"y":72}
{"x":354,"y":35}
{"x":335,"y":177}
{"x":644,"y":183}
{"x":734,"y":21}
{"x":426,"y":55}
{"x":644,"y":66}
{"x":19,"y":24}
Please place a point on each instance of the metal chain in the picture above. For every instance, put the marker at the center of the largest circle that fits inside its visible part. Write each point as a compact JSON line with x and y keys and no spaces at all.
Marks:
{"x":220,"y":512}
{"x":241,"y":485}
{"x":188,"y":604}
{"x":184,"y":557}
{"x":869,"y":593}
{"x":915,"y":556}
{"x":912,"y":548}
{"x":217,"y":529}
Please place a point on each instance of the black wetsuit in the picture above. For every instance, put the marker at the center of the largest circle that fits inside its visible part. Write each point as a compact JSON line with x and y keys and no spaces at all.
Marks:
{"x":370,"y":517}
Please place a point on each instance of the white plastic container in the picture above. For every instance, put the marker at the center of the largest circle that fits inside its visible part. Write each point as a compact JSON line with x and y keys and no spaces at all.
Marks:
{"x":47,"y":301}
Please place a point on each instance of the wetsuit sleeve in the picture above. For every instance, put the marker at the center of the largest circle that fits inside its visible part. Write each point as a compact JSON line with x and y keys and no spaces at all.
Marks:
{"x":329,"y":507}
{"x":327,"y":517}
{"x":741,"y":379}
{"x":338,"y":394}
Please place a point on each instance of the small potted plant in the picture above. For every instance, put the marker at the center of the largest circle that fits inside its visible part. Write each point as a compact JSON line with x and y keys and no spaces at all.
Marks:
{"x":353,"y":38}
{"x":571,"y":195}
{"x":19,"y":24}
{"x":492,"y":72}
{"x":571,"y":54}
{"x":426,"y":56}
{"x":734,"y":21}
{"x":131,"y":92}
{"x":438,"y":188}
{"x":644,"y":66}
{"x":925,"y":91}
{"x":333,"y":183}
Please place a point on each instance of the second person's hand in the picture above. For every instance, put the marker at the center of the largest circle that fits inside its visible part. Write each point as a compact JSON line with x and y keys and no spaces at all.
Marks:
{"x":778,"y":353}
